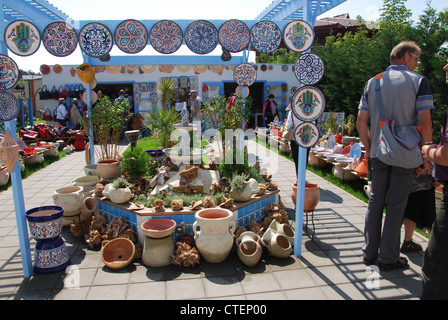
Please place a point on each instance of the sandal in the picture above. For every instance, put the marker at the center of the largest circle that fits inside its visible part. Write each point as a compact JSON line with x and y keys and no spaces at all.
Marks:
{"x":410,"y":246}
{"x":401,"y":263}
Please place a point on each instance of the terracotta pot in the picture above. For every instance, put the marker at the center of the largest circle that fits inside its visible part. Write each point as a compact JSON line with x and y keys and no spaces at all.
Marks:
{"x":158,"y":228}
{"x":215,"y":238}
{"x":108,"y":169}
{"x":312,"y":196}
{"x":249,"y":248}
{"x":117,"y":253}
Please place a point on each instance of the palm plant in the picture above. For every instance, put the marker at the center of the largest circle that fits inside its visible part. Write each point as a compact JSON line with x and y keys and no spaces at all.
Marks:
{"x":161,"y":121}
{"x":166,"y":91}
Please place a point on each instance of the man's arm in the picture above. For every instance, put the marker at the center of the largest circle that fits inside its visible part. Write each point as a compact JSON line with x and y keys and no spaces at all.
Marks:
{"x":362,"y":124}
{"x":436,"y":154}
{"x":425,"y":122}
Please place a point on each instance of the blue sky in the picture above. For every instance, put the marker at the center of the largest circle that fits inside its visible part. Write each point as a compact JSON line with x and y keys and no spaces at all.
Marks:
{"x":96,"y":10}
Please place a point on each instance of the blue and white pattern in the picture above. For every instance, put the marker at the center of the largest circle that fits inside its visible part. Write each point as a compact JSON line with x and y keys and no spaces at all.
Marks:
{"x":60,"y":39}
{"x":9,"y":72}
{"x":166,"y":37}
{"x":234,"y":36}
{"x":51,"y":256}
{"x":298,"y":36}
{"x":201,"y":37}
{"x":309,"y":69}
{"x":22,"y":38}
{"x":96,"y":40}
{"x":245,"y":75}
{"x":131,"y":36}
{"x":266,"y":36}
{"x":9,"y":106}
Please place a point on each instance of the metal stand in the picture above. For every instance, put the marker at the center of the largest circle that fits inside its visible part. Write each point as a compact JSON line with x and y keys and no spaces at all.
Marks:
{"x":312,"y":222}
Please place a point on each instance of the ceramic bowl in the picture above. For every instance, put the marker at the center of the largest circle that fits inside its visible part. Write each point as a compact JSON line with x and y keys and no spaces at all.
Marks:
{"x":86,"y":181}
{"x":158,"y":228}
{"x":117,"y":253}
{"x":45,"y":222}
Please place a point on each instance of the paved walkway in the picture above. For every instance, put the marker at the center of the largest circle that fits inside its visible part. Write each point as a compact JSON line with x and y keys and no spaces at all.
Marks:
{"x":330,"y":266}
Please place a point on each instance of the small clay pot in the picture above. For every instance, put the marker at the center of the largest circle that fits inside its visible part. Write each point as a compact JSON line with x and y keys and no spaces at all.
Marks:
{"x":117,"y":253}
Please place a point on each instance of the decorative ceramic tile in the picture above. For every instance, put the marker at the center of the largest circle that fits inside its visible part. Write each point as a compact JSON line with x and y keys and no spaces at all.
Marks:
{"x":234,"y":36}
{"x":245,"y":75}
{"x":60,"y":39}
{"x":306,"y":134}
{"x":298,"y":36}
{"x":309,"y":69}
{"x":9,"y":106}
{"x":22,"y":38}
{"x":96,"y":40}
{"x":308,"y":103}
{"x":266,"y":36}
{"x":201,"y":37}
{"x":9,"y":72}
{"x":131,"y":36}
{"x":166,"y":37}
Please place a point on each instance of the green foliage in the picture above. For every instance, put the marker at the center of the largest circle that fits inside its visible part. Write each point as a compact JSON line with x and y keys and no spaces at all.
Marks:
{"x":120,"y":183}
{"x":161,"y":122}
{"x":135,"y":163}
{"x":238,"y":182}
{"x":280,"y":56}
{"x":166,"y":92}
{"x":186,"y":198}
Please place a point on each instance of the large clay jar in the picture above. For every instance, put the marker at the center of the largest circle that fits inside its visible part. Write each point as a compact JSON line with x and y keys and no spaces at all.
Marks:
{"x":278,"y":245}
{"x":214,"y":240}
{"x":249,"y":248}
{"x":108,"y":169}
{"x":69,"y":198}
{"x":312,"y":196}
{"x":157,"y":252}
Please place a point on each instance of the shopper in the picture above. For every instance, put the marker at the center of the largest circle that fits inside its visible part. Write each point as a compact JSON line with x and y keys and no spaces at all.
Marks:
{"x":61,"y":113}
{"x":407,"y":98}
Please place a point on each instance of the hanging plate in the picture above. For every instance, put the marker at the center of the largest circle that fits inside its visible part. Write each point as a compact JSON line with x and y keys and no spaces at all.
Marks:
{"x":266,"y":36}
{"x":96,"y":40}
{"x":309,"y":69}
{"x":9,"y":72}
{"x":22,"y":38}
{"x":201,"y":37}
{"x":308,"y":103}
{"x":9,"y":106}
{"x":60,"y":39}
{"x":166,"y":37}
{"x":131,"y":36}
{"x":245,"y":75}
{"x":234,"y":36}
{"x":298,"y":36}
{"x":306,"y":134}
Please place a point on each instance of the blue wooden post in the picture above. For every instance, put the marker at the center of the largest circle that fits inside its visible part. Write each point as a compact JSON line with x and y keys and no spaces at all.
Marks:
{"x":300,"y":202}
{"x":22,"y":112}
{"x":91,"y":137}
{"x":19,"y":205}
{"x":30,"y":111}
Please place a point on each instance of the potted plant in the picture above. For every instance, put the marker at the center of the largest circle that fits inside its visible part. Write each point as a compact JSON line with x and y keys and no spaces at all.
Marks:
{"x":120,"y":192}
{"x":108,"y":118}
{"x":134,"y":163}
{"x":240,"y":189}
{"x":161,"y":122}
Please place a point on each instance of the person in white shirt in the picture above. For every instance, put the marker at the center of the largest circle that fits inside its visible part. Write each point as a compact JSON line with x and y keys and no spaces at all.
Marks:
{"x":61,"y":113}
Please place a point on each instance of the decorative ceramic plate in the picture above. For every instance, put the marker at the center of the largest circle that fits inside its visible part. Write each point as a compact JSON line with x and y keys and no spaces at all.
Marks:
{"x":9,"y":72}
{"x":131,"y":36}
{"x":355,"y":150}
{"x":96,"y":40}
{"x":234,"y":35}
{"x":331,"y":142}
{"x":9,"y":106}
{"x":22,"y":38}
{"x":245,"y":75}
{"x":166,"y":36}
{"x":266,"y":36}
{"x":308,"y":103}
{"x":60,"y":39}
{"x":306,"y":134}
{"x":309,"y":69}
{"x":201,"y":37}
{"x":298,"y":36}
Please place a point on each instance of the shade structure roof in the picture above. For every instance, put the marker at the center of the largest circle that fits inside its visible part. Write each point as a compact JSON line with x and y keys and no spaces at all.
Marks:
{"x":31,"y":10}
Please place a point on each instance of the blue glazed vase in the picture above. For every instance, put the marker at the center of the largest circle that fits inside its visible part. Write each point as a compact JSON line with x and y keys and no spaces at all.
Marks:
{"x":50,"y":256}
{"x":185,"y":116}
{"x":45,"y":222}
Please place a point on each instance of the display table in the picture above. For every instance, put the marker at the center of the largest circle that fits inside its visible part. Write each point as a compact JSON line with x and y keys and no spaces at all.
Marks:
{"x":244,"y":212}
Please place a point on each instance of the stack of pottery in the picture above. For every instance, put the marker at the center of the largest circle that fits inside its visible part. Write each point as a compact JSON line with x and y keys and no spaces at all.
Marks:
{"x":283,"y":229}
{"x":50,"y":254}
{"x":159,"y":246}
{"x":214,"y":240}
{"x":249,"y":248}
{"x":69,"y":198}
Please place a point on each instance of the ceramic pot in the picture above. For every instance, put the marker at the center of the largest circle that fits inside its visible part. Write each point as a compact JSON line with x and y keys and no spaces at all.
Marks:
{"x":117,"y":253}
{"x":86,"y":181}
{"x":158,"y":252}
{"x":120,"y":195}
{"x":86,"y":73}
{"x":242,"y":196}
{"x":69,"y":198}
{"x":367,"y":188}
{"x":185,"y":116}
{"x":34,"y":159}
{"x":249,"y":248}
{"x":278,"y":245}
{"x":214,"y":240}
{"x":108,"y":169}
{"x":283,"y":229}
{"x":45,"y":222}
{"x":342,"y":174}
{"x":88,"y":208}
{"x":158,"y":228}
{"x":50,"y":256}
{"x":4,"y":176}
{"x":362,"y":170}
{"x":90,"y":170}
{"x":312,"y":196}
